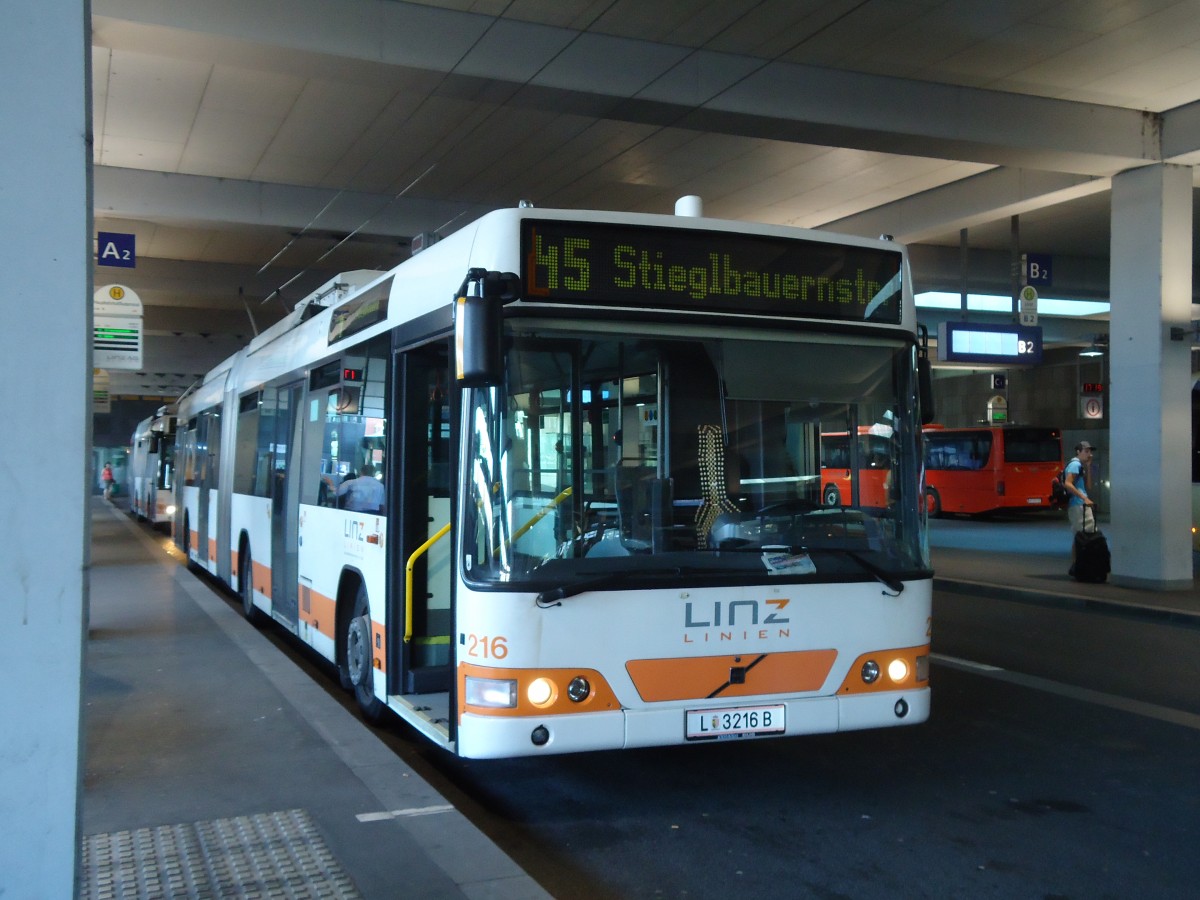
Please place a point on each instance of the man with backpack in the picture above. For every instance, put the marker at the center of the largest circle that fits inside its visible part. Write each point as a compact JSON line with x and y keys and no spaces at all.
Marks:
{"x":1080,"y":508}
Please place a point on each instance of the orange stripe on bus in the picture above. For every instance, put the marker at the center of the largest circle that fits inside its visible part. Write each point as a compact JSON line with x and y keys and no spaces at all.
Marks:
{"x":698,"y":677}
{"x":379,"y":650}
{"x":854,"y":683}
{"x":319,"y":611}
{"x":261,"y":576}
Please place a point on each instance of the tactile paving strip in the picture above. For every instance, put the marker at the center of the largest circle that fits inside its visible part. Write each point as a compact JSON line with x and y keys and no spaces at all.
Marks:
{"x":272,"y":855}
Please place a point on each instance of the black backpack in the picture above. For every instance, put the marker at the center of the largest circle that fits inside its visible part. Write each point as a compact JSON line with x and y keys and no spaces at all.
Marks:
{"x":1059,"y":495}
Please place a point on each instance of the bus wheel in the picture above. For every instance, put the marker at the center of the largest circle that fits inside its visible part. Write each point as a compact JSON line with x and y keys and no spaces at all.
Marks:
{"x":832,"y":496}
{"x":358,"y":659}
{"x":933,"y":502}
{"x":253,"y":614}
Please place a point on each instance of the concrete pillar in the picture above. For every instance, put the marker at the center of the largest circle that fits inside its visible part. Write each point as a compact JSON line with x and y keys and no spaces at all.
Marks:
{"x":1150,"y":431}
{"x":45,"y":248}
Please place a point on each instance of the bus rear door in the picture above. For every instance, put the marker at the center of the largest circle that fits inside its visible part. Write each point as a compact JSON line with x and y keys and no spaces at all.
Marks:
{"x":285,"y":501}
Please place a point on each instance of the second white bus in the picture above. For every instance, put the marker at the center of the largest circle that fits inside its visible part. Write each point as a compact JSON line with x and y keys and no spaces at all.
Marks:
{"x":151,"y":471}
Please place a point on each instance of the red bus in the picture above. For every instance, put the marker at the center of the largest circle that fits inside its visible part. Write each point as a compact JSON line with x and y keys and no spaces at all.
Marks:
{"x":870,"y":457}
{"x":987,"y":469}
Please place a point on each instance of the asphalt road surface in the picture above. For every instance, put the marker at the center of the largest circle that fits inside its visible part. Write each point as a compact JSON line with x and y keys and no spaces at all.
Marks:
{"x":1062,"y":759}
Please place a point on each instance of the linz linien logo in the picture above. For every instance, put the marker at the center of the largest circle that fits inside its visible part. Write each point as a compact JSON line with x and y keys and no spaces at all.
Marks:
{"x":734,"y":620}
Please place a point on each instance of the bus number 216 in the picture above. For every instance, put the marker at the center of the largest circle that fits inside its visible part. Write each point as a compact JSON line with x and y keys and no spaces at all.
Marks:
{"x":480,"y":645}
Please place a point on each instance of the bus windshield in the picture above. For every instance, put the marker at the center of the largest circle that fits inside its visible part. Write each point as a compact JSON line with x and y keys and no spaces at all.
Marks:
{"x":702,"y":456}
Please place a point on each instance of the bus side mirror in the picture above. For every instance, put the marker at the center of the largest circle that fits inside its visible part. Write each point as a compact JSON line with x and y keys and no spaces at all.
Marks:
{"x":925,"y":389}
{"x":478,"y":356}
{"x":924,"y":375}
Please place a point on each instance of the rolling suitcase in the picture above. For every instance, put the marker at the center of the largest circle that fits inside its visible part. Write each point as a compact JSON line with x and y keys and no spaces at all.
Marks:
{"x":1092,"y":562}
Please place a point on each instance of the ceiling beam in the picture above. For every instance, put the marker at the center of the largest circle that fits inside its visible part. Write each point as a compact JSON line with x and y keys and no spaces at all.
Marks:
{"x":199,"y":199}
{"x":986,"y":197}
{"x":663,"y":84}
{"x":1181,"y":137}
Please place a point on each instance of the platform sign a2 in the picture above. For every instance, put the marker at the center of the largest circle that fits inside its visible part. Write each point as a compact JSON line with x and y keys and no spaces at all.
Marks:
{"x":116,"y":249}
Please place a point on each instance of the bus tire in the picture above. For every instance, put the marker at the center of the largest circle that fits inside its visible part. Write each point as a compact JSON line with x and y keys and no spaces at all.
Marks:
{"x":345,"y":612}
{"x":933,"y":502}
{"x":358,"y":668}
{"x":831,"y":496}
{"x":253,"y":614}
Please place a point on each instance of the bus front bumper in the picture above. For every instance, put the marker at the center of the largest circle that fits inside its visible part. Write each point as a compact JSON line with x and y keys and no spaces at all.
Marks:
{"x":484,"y":737}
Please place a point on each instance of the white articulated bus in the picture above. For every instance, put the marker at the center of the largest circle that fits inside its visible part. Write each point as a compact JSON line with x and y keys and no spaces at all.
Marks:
{"x":554,"y":483}
{"x":151,"y":471}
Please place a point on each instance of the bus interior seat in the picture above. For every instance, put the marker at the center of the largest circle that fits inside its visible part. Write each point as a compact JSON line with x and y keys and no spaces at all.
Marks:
{"x":632,"y":506}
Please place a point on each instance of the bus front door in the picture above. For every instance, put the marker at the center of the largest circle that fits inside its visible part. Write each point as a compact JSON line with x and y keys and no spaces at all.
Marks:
{"x":424,"y":487}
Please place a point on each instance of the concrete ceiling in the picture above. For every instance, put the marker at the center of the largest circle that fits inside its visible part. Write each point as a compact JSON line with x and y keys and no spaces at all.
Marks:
{"x":256,"y":149}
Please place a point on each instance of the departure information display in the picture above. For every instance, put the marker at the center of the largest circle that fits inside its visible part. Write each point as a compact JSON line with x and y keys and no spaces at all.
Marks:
{"x":588,"y":263}
{"x":996,"y":344}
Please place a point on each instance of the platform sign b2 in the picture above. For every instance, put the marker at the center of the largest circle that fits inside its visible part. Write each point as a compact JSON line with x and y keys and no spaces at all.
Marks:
{"x":1039,"y":269}
{"x":1029,"y":305}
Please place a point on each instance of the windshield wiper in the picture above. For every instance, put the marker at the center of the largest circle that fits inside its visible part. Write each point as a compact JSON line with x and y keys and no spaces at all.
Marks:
{"x":553,"y":596}
{"x":884,"y":577}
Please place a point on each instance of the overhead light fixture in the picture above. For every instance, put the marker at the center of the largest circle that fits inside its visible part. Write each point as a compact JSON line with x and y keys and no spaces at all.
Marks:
{"x":1094,"y":348}
{"x":1047,"y":306}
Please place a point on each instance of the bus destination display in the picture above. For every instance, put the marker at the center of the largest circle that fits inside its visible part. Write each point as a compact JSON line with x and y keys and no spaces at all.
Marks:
{"x":708,"y":271}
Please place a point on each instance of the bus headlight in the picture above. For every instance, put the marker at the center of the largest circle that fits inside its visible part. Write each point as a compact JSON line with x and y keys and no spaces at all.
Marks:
{"x":897,"y":670}
{"x":870,"y":671}
{"x":170,"y":511}
{"x":541,"y":692}
{"x":491,"y":692}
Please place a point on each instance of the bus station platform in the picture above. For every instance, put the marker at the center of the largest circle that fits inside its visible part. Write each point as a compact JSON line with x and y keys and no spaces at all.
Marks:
{"x":1026,"y":559}
{"x":203,"y":778}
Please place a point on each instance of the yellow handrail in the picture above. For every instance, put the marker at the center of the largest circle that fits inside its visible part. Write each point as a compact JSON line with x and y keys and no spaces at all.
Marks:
{"x":537,"y":517}
{"x":408,"y":579}
{"x":540,"y":514}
